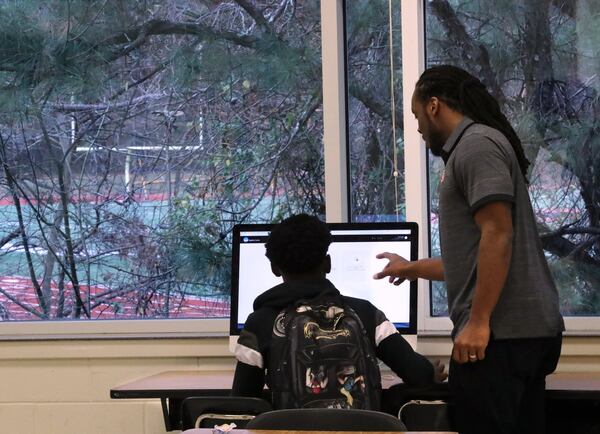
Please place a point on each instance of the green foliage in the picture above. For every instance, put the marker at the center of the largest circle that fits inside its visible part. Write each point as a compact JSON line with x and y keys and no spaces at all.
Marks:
{"x":578,"y":283}
{"x":188,"y":66}
{"x":50,"y":49}
{"x":365,"y":17}
{"x":22,"y":43}
{"x":200,"y":250}
{"x":580,"y":151}
{"x":553,"y":111}
{"x":217,"y":61}
{"x":170,"y":137}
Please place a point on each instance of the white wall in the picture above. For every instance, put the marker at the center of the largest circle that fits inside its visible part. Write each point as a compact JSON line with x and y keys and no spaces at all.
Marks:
{"x":62,"y":387}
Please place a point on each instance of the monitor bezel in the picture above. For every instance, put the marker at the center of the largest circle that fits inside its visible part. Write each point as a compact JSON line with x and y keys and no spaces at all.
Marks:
{"x":259,"y":227}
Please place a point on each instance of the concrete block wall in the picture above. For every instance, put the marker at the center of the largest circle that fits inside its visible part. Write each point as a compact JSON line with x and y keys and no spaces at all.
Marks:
{"x":62,"y":387}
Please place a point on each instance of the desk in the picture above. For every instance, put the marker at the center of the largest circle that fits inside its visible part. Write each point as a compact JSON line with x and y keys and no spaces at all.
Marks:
{"x":173,"y":386}
{"x":268,"y":431}
{"x":573,"y":385}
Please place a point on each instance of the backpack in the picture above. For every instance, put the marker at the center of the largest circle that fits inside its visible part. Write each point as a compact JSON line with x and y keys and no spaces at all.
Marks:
{"x":322,"y":358}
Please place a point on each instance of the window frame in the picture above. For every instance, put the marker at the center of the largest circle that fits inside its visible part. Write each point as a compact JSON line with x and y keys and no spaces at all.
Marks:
{"x":336,"y":204}
{"x":114,"y":329}
{"x":413,"y":16}
{"x":335,"y":140}
{"x":437,"y":325}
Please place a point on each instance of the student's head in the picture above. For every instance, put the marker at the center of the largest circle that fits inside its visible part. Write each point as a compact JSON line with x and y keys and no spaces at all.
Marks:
{"x":447,"y":89}
{"x":297,"y":247}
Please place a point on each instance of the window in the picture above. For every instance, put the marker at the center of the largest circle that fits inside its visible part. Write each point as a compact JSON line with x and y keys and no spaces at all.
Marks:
{"x":135,"y":135}
{"x":375,"y":134}
{"x":539,"y":58}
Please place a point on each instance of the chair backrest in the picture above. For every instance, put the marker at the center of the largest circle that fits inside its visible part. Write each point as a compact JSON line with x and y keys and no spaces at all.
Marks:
{"x":207,"y":411}
{"x":326,"y":419}
{"x":420,"y":415}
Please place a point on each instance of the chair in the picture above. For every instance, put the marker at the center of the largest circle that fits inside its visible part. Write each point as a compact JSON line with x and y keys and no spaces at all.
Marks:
{"x":208,"y":411}
{"x":326,"y":419}
{"x":419,"y":415}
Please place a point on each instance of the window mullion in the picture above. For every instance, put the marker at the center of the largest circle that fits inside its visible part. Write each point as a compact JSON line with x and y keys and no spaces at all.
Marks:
{"x":334,"y":111}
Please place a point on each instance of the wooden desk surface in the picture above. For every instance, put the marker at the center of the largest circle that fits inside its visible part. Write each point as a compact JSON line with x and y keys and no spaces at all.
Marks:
{"x":172,"y":380}
{"x":574,"y":381}
{"x":182,"y":382}
{"x":176,"y":383}
{"x":573,"y":385}
{"x":265,"y":431}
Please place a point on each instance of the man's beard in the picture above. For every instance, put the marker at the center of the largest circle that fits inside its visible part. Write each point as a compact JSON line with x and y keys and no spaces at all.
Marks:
{"x":436,"y":143}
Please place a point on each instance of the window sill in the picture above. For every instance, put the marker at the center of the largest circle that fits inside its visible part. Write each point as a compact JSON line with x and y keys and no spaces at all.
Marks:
{"x":117,"y":329}
{"x":173,"y":348}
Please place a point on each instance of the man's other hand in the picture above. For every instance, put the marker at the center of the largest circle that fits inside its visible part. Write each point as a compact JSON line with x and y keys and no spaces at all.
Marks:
{"x":439,"y":371}
{"x":471,"y":342}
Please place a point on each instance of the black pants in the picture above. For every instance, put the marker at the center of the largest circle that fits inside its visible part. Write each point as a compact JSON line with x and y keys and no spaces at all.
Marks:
{"x":504,"y":393}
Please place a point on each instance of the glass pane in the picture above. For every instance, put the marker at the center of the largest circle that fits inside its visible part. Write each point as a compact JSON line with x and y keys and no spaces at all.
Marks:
{"x":135,"y":135}
{"x":375,"y":110}
{"x":540,"y":59}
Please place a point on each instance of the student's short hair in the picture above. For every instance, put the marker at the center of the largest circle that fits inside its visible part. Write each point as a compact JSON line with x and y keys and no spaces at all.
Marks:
{"x":298,"y":244}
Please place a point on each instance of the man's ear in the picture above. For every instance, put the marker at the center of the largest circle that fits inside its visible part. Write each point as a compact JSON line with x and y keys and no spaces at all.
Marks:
{"x":327,"y":264}
{"x":275,"y":269}
{"x":433,"y":106}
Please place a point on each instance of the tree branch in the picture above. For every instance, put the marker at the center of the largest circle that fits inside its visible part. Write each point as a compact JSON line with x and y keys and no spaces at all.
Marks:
{"x":103,"y":106}
{"x":14,"y":234}
{"x":258,"y":17}
{"x":572,"y":231}
{"x":128,"y":86}
{"x":22,"y":305}
{"x":165,"y":27}
{"x":275,"y":16}
{"x":369,"y":100}
{"x":562,"y":248}
{"x":471,"y":51}
{"x":24,"y":239}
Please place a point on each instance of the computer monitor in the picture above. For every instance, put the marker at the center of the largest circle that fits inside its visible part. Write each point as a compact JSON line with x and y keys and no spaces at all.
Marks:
{"x":353,"y":263}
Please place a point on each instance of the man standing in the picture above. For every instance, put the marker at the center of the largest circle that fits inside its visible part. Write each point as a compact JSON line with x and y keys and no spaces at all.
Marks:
{"x":501,"y":297}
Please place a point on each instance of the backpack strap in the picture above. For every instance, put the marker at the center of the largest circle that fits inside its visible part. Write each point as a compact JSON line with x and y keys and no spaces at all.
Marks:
{"x":325,"y":294}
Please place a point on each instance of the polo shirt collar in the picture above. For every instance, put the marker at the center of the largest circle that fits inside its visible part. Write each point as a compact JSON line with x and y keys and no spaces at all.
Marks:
{"x":455,"y":137}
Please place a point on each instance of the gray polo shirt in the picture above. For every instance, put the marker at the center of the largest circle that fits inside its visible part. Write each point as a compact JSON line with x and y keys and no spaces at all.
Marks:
{"x":481,"y":167}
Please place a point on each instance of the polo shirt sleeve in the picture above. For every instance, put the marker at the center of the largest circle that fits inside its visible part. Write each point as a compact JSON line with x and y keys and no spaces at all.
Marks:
{"x":482,"y":170}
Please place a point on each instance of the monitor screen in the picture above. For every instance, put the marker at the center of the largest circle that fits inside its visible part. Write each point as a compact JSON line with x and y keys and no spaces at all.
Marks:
{"x":353,"y":263}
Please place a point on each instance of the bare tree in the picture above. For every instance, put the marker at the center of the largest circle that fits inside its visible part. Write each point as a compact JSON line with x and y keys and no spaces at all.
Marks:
{"x":144,"y":135}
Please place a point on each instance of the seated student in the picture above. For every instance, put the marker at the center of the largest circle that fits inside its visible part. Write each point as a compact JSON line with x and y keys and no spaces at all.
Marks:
{"x":304,"y":328}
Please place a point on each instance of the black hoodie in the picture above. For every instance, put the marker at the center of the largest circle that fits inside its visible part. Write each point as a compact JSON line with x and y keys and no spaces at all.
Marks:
{"x":253,"y":347}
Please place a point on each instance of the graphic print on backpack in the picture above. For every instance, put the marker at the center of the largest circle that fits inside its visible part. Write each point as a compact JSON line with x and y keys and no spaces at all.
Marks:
{"x":316,"y":381}
{"x":350,"y":382}
{"x":323,"y":358}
